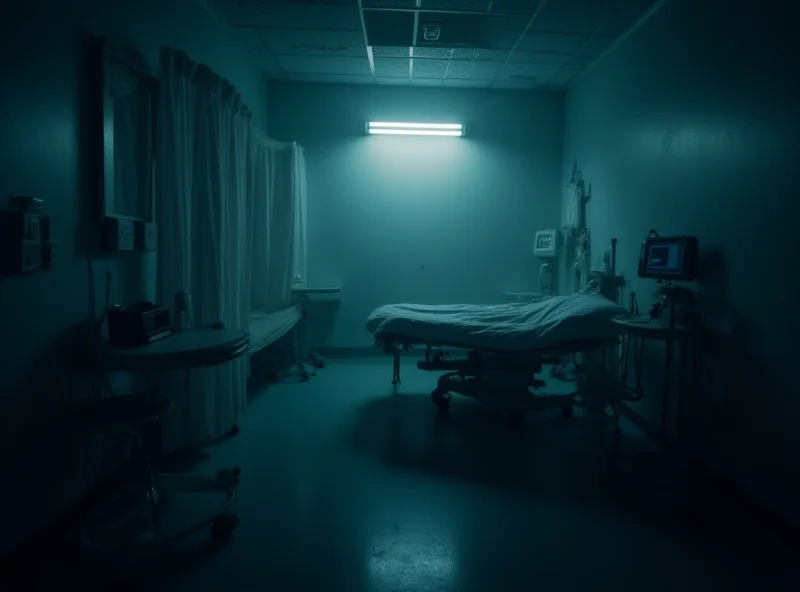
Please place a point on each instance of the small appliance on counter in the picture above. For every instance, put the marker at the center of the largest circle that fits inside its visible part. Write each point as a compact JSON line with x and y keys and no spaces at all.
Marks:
{"x":139,"y":324}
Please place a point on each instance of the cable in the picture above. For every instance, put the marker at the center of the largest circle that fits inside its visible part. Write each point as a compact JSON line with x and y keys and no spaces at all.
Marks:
{"x":633,"y":304}
{"x":635,"y":393}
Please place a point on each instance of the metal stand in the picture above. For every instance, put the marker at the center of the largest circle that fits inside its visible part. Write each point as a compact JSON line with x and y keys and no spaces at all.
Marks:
{"x":158,"y":489}
{"x":396,"y":367}
{"x":306,"y":352}
{"x":505,"y":382}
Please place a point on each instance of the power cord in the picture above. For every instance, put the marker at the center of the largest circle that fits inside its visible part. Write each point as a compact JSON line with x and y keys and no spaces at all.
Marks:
{"x":635,"y":393}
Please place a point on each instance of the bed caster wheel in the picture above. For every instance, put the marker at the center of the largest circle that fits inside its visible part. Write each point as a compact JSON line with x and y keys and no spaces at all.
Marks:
{"x":222,"y":527}
{"x":516,"y":419}
{"x":566,"y":411}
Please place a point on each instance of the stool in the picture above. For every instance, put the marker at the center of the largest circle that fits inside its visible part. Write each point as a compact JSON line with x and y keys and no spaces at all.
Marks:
{"x":132,"y":413}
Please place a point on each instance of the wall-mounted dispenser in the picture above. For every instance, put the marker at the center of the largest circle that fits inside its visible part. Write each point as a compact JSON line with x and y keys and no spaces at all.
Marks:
{"x":27,"y":229}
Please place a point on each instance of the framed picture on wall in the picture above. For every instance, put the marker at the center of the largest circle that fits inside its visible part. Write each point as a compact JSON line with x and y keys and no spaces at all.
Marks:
{"x":129,"y":100}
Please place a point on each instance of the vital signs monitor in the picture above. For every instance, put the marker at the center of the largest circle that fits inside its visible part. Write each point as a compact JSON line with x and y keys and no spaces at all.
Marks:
{"x":669,"y":258}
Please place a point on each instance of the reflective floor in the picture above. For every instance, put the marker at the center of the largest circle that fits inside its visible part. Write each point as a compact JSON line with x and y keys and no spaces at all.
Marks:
{"x":347,"y":486}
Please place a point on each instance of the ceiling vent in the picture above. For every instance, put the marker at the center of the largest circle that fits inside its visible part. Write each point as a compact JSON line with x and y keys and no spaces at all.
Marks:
{"x":431,"y":32}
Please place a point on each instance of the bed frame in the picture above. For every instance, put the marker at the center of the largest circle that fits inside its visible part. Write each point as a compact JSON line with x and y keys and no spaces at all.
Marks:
{"x":506,"y":380}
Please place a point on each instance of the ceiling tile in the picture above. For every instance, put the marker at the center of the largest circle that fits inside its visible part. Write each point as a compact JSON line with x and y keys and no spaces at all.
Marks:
{"x":334,"y":42}
{"x":291,"y":15}
{"x":442,"y":53}
{"x":503,"y":32}
{"x":389,"y":28}
{"x":491,"y":55}
{"x":527,"y":72}
{"x":460,"y":69}
{"x":537,"y":57}
{"x":388,"y":3}
{"x":513,"y":7}
{"x":459,"y":83}
{"x":626,"y":14}
{"x":581,"y":17}
{"x":464,"y":53}
{"x":332,"y":78}
{"x":390,"y":52}
{"x":324,"y":65}
{"x":456,"y":5}
{"x":568,"y":45}
{"x":485,"y":70}
{"x":250,"y":37}
{"x":392,"y":67}
{"x":429,"y":68}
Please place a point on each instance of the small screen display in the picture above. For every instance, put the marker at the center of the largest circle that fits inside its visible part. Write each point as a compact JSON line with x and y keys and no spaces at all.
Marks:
{"x":665,"y":257}
{"x":544,"y":241}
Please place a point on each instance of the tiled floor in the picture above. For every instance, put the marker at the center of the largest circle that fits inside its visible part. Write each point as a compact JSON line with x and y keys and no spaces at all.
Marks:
{"x":347,"y":486}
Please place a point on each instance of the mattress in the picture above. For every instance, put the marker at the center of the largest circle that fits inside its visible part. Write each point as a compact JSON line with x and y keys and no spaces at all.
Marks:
{"x":504,"y":327}
{"x":268,"y":327}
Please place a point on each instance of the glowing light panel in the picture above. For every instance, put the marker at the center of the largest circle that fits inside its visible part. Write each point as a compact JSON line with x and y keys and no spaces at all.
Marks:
{"x":393,"y":128}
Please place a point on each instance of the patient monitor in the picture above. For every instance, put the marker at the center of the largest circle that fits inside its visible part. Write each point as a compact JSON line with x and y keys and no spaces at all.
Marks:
{"x":546,"y":243}
{"x":668,"y":258}
{"x":545,"y":246}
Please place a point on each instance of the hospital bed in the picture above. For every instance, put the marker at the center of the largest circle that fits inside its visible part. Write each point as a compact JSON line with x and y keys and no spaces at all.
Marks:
{"x":506,"y":347}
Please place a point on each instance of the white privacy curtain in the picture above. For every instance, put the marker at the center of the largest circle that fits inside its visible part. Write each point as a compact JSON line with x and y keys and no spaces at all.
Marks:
{"x":274,"y":224}
{"x":206,"y":173}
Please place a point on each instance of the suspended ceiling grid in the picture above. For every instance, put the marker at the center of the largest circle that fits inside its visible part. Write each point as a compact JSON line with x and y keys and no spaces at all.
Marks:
{"x":501,"y":44}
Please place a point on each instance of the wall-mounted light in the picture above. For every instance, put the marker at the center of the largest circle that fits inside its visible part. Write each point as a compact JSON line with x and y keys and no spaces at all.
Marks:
{"x":393,"y":128}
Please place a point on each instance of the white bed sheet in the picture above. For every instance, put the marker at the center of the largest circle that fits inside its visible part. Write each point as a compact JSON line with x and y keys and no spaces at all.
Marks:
{"x":268,"y":327}
{"x":503,"y":327}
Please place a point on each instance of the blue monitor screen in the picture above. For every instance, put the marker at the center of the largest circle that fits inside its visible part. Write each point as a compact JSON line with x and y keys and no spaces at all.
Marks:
{"x":665,"y":258}
{"x":673,"y":258}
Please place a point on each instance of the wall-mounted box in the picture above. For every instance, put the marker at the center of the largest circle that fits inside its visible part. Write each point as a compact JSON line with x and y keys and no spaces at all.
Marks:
{"x":119,"y":234}
{"x":145,"y":236}
{"x":23,"y":233}
{"x":27,"y":225}
{"x":49,"y":254}
{"x":26,"y":255}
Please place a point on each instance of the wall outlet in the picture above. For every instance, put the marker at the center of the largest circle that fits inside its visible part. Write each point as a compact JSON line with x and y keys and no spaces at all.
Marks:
{"x":145,"y":236}
{"x":119,"y":234}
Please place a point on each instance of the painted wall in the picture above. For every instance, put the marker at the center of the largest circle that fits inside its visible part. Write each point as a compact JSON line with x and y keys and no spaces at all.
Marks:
{"x":46,"y":151}
{"x":690,"y":126}
{"x":410,"y":219}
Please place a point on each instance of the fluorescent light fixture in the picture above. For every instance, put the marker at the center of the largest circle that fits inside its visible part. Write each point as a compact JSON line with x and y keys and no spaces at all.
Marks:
{"x":393,"y":128}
